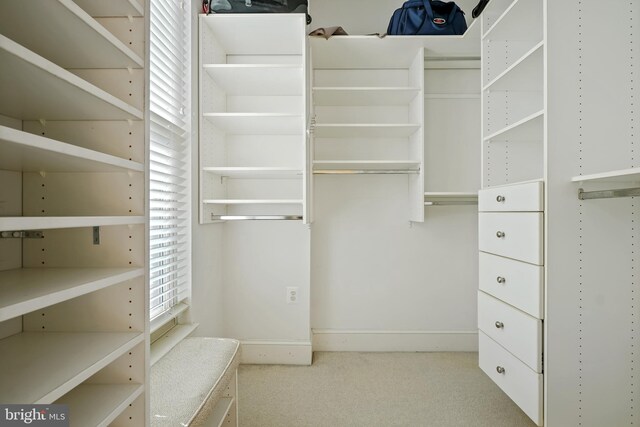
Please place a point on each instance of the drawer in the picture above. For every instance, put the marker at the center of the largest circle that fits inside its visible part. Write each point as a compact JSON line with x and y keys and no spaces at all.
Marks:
{"x":513,"y":329}
{"x":516,"y":379}
{"x":527,"y":197}
{"x":514,"y":282}
{"x":513,"y":235}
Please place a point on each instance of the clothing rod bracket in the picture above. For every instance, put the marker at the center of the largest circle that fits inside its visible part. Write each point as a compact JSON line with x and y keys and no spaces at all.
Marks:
{"x":21,"y":234}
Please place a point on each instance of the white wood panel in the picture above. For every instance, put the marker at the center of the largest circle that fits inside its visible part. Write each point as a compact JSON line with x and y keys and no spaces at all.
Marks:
{"x":519,"y":382}
{"x":371,"y":165}
{"x":516,"y":283}
{"x":516,"y":331}
{"x":253,"y":202}
{"x":527,"y":196}
{"x":364,"y":95}
{"x":111,"y":8}
{"x":26,"y":152}
{"x":521,"y":235}
{"x":48,"y":223}
{"x":369,"y":130}
{"x":631,"y":176}
{"x":255,"y":173}
{"x":35,"y":88}
{"x":257,"y":79}
{"x":522,"y":19}
{"x":526,"y":73}
{"x":26,"y":290}
{"x":66,"y":34}
{"x":56,"y":362}
{"x":99,"y":404}
{"x":257,"y":123}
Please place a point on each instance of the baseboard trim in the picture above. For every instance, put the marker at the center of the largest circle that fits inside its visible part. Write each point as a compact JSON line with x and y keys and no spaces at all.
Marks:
{"x":355,"y":340}
{"x":276,"y":353}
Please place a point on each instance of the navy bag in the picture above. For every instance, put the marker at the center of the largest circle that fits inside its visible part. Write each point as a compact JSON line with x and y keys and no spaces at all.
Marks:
{"x":427,"y":18}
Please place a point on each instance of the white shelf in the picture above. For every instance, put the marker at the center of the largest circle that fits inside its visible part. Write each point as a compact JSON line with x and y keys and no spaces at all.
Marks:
{"x":41,"y":367}
{"x":165,"y":343}
{"x":369,"y":130}
{"x":345,"y":96}
{"x":277,"y":33}
{"x":372,"y":165}
{"x":257,"y":123}
{"x":99,"y":404}
{"x":528,"y":128}
{"x":512,"y":79}
{"x":618,"y":176}
{"x":26,"y":152}
{"x":258,"y":79}
{"x":255,"y":173}
{"x":34,"y":88}
{"x":65,"y":34}
{"x":252,"y":202}
{"x":523,"y":18}
{"x":50,"y":223}
{"x":111,"y":8}
{"x":25,"y":290}
{"x":451,"y":195}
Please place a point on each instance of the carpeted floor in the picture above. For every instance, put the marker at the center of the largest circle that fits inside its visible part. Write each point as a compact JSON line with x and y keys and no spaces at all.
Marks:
{"x":375,"y":389}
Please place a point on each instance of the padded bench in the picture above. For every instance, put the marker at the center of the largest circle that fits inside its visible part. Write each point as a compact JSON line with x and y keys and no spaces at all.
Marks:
{"x":195,"y":384}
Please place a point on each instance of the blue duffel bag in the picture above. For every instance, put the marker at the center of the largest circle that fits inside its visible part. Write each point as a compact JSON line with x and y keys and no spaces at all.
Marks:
{"x":427,"y":18}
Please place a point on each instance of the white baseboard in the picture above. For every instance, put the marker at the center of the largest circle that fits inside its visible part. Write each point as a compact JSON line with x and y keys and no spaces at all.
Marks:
{"x":355,"y":340}
{"x":276,"y":352}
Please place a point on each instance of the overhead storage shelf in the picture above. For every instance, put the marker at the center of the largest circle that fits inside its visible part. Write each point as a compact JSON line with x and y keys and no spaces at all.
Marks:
{"x":524,"y":74}
{"x":366,"y":130}
{"x":257,"y":123}
{"x":527,"y":129}
{"x":255,"y":173}
{"x":364,"y":96}
{"x":253,"y":202}
{"x":367,"y":165}
{"x":99,"y":404}
{"x":618,"y":176}
{"x":453,"y":195}
{"x":66,"y":34}
{"x":27,"y":152}
{"x":520,"y":21}
{"x":25,"y":290}
{"x":111,"y":8}
{"x":34,"y":88}
{"x":56,"y":362}
{"x":50,"y":223}
{"x":258,"y":79}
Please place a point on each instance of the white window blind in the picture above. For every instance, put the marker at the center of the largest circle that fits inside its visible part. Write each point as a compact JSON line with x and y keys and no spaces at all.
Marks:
{"x":170,"y":133}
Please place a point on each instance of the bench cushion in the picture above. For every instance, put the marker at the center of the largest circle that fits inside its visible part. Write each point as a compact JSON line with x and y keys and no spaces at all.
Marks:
{"x":188,"y":381}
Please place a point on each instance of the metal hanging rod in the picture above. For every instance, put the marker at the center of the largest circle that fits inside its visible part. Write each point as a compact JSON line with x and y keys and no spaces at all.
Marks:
{"x":608,"y":194}
{"x":451,"y":203}
{"x":366,"y":172}
{"x":256,"y":217}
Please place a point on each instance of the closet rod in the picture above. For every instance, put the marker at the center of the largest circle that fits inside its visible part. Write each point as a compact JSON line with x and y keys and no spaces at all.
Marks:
{"x":451,"y":203}
{"x":608,"y":194}
{"x":256,"y":217}
{"x":366,"y":172}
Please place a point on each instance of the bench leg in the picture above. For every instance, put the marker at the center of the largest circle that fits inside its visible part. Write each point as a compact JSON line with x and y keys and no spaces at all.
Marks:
{"x":231,"y":419}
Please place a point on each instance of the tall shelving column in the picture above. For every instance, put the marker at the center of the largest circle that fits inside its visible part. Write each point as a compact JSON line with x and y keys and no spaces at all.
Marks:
{"x":253,"y":121}
{"x":73,"y":269}
{"x":511,"y":203}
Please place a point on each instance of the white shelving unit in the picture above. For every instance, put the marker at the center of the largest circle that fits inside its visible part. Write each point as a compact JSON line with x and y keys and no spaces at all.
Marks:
{"x":73,"y":315}
{"x":370,"y":89}
{"x":253,"y":123}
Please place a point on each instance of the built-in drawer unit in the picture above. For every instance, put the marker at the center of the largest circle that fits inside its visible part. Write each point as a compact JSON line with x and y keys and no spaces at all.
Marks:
{"x":517,"y":283}
{"x":513,"y":235}
{"x":515,"y":330}
{"x":517,"y":380}
{"x":525,"y":197}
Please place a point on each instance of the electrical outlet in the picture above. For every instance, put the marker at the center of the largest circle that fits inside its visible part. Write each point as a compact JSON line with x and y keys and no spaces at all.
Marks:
{"x":292,"y":295}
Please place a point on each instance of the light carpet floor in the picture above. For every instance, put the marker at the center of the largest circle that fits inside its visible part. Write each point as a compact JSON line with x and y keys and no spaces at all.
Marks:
{"x":375,"y":389}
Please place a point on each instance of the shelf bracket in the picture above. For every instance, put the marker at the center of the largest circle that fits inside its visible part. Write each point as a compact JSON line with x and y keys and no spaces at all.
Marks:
{"x":22,"y":234}
{"x":608,"y":194}
{"x":96,"y":235}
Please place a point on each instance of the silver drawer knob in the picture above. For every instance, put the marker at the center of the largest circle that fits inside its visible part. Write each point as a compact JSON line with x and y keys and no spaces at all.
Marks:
{"x":500,"y":369}
{"x":500,"y":199}
{"x":500,"y":280}
{"x":499,"y":325}
{"x":500,"y":234}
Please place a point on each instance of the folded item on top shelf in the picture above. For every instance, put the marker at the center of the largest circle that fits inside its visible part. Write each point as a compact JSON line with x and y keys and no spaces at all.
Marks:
{"x":328,"y":32}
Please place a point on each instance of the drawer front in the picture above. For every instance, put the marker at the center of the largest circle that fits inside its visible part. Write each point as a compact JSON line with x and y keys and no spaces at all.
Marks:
{"x":512,"y":198}
{"x":513,"y":235}
{"x":516,"y":331}
{"x":514,"y":282}
{"x":516,"y":379}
